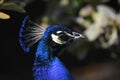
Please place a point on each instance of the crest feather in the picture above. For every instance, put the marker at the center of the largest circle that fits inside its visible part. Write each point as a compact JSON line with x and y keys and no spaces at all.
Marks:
{"x":29,"y":34}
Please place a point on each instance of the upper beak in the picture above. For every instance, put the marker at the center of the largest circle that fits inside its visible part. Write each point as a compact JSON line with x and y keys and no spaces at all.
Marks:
{"x":77,"y":35}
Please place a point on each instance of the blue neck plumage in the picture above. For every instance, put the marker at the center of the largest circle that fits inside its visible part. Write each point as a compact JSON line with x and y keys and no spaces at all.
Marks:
{"x":43,"y":55}
{"x":42,"y":61}
{"x":47,"y":49}
{"x":47,"y":66}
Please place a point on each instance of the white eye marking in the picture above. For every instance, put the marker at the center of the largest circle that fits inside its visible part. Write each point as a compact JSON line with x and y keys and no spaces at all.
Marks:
{"x":68,"y":34}
{"x":59,"y":32}
{"x":56,"y":39}
{"x":65,"y":33}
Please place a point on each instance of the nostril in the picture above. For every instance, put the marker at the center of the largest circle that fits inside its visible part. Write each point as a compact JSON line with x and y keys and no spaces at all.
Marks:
{"x":78,"y":35}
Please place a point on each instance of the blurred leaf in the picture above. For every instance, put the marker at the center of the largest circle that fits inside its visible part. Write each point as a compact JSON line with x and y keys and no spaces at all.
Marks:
{"x":64,"y":2}
{"x":44,"y":22}
{"x":93,"y":31}
{"x":1,"y":1}
{"x":86,"y":11}
{"x":107,"y":11}
{"x":103,"y":17}
{"x":76,"y":3}
{"x":12,"y":6}
{"x":4,"y":16}
{"x":112,"y":39}
{"x":83,"y":22}
{"x":21,"y":3}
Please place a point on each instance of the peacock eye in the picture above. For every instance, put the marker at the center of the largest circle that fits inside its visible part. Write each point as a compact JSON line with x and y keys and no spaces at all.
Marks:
{"x":64,"y":37}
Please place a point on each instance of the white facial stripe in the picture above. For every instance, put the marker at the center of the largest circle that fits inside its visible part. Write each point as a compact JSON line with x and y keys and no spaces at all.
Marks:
{"x":56,"y":39}
{"x":65,"y":33}
{"x":59,"y":32}
{"x":68,"y":34}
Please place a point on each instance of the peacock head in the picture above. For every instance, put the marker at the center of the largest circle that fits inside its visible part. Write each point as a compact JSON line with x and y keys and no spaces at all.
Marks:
{"x":54,"y":37}
{"x":57,"y":37}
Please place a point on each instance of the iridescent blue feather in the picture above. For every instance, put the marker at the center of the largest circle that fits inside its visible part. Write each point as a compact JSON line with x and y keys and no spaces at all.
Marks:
{"x":25,"y":48}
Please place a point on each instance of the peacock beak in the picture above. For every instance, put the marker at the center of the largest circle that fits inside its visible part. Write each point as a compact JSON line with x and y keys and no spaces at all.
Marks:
{"x":77,"y":35}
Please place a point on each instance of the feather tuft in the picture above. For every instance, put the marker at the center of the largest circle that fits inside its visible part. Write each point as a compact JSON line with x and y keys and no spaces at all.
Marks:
{"x":29,"y":34}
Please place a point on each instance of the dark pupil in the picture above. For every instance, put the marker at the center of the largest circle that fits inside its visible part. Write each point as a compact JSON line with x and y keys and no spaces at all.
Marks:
{"x":63,"y":37}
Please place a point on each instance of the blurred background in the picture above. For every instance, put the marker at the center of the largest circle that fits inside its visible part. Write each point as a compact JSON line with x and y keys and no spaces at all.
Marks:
{"x":94,"y":58}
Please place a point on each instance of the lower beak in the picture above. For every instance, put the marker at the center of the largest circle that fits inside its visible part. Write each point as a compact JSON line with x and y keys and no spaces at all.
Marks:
{"x":77,"y":35}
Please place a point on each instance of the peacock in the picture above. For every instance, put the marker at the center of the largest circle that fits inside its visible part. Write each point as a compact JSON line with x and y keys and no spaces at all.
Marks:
{"x":50,"y":41}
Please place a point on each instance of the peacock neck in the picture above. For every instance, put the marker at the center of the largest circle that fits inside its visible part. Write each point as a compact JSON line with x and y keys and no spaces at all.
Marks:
{"x":43,"y":54}
{"x":47,"y":66}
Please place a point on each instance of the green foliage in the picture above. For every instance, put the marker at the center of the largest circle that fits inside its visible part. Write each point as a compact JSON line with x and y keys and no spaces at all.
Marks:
{"x":76,"y":3}
{"x":12,"y":6}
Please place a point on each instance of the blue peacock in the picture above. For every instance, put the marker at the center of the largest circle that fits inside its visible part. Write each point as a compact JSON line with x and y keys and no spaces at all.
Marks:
{"x":50,"y":42}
